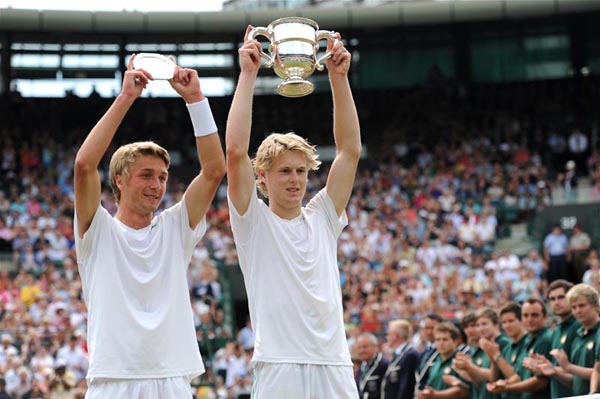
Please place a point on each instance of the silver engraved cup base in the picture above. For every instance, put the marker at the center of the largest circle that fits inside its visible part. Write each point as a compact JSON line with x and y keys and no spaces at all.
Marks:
{"x":295,"y":87}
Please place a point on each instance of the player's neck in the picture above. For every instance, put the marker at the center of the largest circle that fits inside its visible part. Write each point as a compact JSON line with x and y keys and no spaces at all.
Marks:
{"x":566,"y":316}
{"x":134,"y":220}
{"x":446,"y":355}
{"x":286,"y":213}
{"x":589,"y":324}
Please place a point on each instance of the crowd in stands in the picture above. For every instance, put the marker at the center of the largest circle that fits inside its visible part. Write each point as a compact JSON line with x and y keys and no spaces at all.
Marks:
{"x":424,"y":219}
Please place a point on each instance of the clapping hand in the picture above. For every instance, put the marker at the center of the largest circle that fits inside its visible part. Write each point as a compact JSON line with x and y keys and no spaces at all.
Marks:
{"x":544,"y":366}
{"x":461,"y":361}
{"x":561,"y":357}
{"x":497,"y":386}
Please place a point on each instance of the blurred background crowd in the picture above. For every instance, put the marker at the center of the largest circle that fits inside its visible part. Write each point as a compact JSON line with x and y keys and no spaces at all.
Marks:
{"x":449,"y":213}
{"x":425,"y":220}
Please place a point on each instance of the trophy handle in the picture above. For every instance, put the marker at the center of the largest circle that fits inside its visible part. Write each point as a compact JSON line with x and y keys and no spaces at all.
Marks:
{"x":268,"y":33}
{"x":324,"y":34}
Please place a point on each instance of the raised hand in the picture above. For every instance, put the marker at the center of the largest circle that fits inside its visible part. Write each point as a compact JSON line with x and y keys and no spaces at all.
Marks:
{"x":339,"y":62}
{"x":134,"y":80}
{"x":186,"y":83}
{"x":249,"y":53}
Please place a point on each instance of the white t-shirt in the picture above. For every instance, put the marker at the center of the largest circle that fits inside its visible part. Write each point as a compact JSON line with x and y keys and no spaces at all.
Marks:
{"x":140,"y":322}
{"x":292,"y":279}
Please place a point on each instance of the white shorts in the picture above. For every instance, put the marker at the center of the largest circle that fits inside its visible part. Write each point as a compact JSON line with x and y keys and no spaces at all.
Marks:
{"x":303,"y":381}
{"x":163,"y":388}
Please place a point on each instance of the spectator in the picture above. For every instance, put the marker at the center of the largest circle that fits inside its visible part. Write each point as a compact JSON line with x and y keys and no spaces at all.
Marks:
{"x":428,"y":349}
{"x":7,"y":349}
{"x":569,"y":181}
{"x":579,"y":246}
{"x":62,"y":383}
{"x":236,"y":364}
{"x":372,"y":367}
{"x":3,"y":393}
{"x":399,"y":378}
{"x":578,"y":148}
{"x":24,"y":384}
{"x":74,"y":357}
{"x":592,"y":274}
{"x":555,"y":254}
{"x":37,"y":391}
{"x":533,"y":261}
{"x":447,"y":337}
{"x":246,"y":336}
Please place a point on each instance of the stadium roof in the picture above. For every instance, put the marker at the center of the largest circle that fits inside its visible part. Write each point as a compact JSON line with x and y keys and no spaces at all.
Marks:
{"x":401,"y":13}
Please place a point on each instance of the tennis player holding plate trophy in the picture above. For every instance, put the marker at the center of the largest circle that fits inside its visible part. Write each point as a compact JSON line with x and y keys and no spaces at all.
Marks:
{"x":287,"y":251}
{"x":293,"y":52}
{"x":133,"y":266}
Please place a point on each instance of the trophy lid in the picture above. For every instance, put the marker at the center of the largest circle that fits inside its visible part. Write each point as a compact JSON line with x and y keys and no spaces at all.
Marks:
{"x":292,"y":20}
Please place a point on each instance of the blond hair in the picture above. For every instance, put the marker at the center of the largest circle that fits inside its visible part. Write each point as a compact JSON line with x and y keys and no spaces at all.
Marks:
{"x":583,"y":290}
{"x":401,"y":327}
{"x":278,"y":143}
{"x":126,"y":155}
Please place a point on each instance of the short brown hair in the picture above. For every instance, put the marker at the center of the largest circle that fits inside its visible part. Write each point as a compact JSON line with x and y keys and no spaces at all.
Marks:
{"x":126,"y":155}
{"x":533,"y":301}
{"x":560,"y":283}
{"x":511,"y":307}
{"x":447,"y":327}
{"x":468,"y":319}
{"x":488,"y":314}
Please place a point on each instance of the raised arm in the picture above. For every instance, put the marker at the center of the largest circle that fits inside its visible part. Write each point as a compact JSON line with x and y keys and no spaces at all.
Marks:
{"x":202,"y":189}
{"x":573,"y":369}
{"x":240,"y":174}
{"x":86,"y":179}
{"x":346,"y":128}
{"x":498,"y":365}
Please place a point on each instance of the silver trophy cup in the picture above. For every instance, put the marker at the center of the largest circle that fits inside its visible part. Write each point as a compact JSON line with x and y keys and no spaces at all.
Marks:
{"x":293,"y":52}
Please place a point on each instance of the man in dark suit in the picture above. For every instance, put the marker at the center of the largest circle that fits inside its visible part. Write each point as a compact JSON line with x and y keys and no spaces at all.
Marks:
{"x":372,"y":367}
{"x":399,"y":378}
{"x":429,"y":353}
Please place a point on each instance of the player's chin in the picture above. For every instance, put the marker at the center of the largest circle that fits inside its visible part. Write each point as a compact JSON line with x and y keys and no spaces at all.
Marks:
{"x":296,"y":199}
{"x":153,"y":205}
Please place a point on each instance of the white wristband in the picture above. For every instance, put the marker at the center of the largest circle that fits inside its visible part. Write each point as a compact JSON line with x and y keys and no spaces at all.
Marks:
{"x":202,"y":118}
